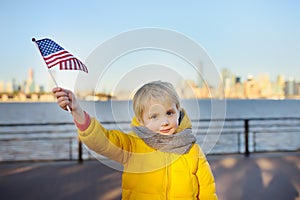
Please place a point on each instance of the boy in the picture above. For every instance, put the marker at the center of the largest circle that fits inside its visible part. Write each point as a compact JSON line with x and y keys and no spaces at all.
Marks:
{"x":160,"y":156}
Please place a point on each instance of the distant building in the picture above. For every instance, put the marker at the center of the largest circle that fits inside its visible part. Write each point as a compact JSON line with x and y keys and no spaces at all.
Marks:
{"x":9,"y":87}
{"x":14,"y":85}
{"x":1,"y":87}
{"x":227,"y":81}
{"x":290,"y":87}
{"x":279,"y":87}
{"x":265,"y":86}
{"x":237,"y":90}
{"x":29,"y":86}
{"x":184,"y":89}
{"x":251,"y":88}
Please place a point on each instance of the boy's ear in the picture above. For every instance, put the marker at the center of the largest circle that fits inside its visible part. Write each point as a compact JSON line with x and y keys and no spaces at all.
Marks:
{"x":141,"y":122}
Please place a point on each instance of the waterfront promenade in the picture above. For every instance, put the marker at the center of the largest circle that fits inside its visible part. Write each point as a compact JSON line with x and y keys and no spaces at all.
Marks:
{"x":273,"y":176}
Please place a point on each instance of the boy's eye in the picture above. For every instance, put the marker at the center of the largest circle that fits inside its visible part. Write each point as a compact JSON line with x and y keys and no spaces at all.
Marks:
{"x":170,"y":113}
{"x":153,"y":116}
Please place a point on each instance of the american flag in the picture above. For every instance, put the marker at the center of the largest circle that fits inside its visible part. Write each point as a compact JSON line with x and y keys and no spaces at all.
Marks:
{"x":54,"y":54}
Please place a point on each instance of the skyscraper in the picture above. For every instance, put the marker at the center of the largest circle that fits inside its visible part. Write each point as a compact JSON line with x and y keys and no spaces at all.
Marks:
{"x":30,"y":88}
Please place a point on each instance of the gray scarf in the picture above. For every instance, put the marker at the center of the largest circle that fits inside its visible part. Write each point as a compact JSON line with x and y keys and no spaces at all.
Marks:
{"x":179,"y":143}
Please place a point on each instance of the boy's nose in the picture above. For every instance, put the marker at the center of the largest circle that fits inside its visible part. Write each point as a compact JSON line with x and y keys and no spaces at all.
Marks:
{"x":165,"y":122}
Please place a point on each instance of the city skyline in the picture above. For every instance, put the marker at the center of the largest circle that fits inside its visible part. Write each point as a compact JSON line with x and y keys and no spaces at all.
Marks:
{"x":31,"y":77}
{"x":50,"y":82}
{"x":261,"y":87}
{"x":247,"y":37}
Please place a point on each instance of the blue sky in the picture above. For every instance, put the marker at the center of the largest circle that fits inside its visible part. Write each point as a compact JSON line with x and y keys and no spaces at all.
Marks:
{"x":247,"y":37}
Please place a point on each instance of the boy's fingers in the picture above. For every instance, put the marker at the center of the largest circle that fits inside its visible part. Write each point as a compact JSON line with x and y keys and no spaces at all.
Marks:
{"x":63,"y":98}
{"x":56,"y":89}
{"x":60,"y":94}
{"x":59,"y":89}
{"x":63,"y":102}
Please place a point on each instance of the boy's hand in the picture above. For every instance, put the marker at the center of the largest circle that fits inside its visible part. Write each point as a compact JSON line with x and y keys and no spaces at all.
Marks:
{"x":67,"y":98}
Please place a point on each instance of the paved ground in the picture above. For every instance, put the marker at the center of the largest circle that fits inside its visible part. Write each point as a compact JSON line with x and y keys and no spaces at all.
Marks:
{"x":259,"y":177}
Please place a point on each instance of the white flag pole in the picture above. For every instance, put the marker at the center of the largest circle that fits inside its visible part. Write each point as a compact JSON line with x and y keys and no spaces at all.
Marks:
{"x":55,"y":82}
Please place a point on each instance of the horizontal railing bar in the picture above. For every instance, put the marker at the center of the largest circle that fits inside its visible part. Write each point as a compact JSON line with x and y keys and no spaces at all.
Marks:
{"x":37,"y":124}
{"x":277,"y":131}
{"x":128,"y":122}
{"x":217,"y":133}
{"x":38,"y":131}
{"x":273,"y":125}
{"x":250,"y":119}
{"x":35,"y":138}
{"x":240,"y":132}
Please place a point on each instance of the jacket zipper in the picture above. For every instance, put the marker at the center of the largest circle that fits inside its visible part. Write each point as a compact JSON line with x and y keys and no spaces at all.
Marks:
{"x":168,"y":176}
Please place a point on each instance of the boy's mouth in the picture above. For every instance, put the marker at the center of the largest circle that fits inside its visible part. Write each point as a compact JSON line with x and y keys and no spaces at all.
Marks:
{"x":165,"y":130}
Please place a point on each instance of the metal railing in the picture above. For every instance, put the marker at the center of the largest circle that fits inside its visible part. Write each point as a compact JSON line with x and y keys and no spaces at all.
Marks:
{"x":254,"y":135}
{"x":58,"y":141}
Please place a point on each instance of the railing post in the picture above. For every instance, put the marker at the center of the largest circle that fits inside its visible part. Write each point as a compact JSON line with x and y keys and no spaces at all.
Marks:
{"x":246,"y":126}
{"x":70,"y":149}
{"x":80,"y":160}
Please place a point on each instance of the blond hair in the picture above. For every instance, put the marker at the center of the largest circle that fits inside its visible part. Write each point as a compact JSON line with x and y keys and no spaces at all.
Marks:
{"x":157,"y":91}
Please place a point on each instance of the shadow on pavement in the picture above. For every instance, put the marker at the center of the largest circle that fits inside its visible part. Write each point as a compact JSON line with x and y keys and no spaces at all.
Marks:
{"x":260,"y":176}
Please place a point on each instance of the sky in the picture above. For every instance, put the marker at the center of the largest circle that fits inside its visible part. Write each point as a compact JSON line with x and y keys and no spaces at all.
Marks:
{"x":246,"y":37}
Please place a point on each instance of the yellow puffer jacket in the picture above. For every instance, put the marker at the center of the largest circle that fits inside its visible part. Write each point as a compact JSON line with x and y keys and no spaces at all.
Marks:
{"x":150,"y":174}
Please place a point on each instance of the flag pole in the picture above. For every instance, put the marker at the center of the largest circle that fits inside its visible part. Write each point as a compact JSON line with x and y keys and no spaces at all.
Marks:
{"x":52,"y":77}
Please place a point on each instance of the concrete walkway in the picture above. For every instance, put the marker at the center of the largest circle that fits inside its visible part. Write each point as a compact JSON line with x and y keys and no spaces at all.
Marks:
{"x":273,"y":176}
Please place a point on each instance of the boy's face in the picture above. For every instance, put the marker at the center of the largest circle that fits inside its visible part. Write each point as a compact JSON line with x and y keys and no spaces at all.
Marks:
{"x":160,"y":117}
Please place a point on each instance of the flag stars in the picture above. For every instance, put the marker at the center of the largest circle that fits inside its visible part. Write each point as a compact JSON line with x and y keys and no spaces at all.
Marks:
{"x":48,"y":47}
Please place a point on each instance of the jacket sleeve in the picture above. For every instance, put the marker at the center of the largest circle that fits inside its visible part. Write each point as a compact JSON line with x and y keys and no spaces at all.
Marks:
{"x":113,"y":144}
{"x":207,"y":188}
